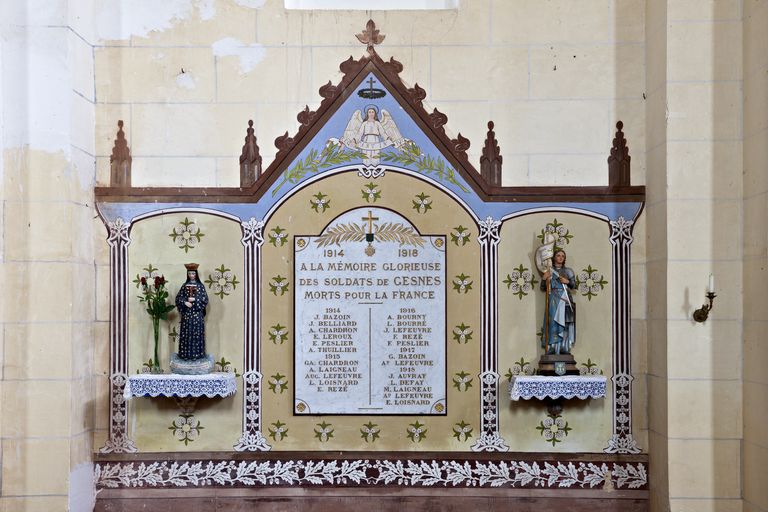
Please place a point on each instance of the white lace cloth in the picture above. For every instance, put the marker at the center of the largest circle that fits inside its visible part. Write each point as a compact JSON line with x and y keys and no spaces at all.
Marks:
{"x":526,"y":387}
{"x":210,"y":385}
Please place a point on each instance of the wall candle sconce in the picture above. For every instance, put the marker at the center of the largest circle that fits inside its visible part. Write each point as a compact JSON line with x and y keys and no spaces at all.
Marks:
{"x":701,"y":314}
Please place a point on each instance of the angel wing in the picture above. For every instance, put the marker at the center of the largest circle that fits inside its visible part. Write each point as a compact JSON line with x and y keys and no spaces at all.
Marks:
{"x":353,"y":127}
{"x":390,"y":129}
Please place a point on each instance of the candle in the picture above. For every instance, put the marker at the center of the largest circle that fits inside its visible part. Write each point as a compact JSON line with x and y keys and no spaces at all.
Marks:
{"x":711,"y":288}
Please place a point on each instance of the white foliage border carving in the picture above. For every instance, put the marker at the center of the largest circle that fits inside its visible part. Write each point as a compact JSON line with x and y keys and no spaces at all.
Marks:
{"x":409,"y":473}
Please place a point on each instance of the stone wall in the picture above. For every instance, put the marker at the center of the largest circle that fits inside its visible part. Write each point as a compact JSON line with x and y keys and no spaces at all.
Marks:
{"x":755,"y":389}
{"x":694,"y":125}
{"x":47,"y":260}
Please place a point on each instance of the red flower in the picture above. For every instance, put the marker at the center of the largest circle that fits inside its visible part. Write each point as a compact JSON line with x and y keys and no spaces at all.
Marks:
{"x":161,"y":280}
{"x":143,"y":281}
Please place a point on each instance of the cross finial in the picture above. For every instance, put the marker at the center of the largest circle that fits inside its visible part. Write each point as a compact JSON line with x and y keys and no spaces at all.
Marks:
{"x":370,"y":218}
{"x":370,"y":35}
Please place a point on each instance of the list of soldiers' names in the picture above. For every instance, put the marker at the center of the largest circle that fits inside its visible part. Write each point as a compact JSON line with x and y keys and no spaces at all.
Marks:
{"x":370,"y":325}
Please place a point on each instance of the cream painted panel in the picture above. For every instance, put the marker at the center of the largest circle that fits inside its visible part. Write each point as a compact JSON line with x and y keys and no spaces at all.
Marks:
{"x":520,"y":318}
{"x":296,"y":216}
{"x":221,"y":419}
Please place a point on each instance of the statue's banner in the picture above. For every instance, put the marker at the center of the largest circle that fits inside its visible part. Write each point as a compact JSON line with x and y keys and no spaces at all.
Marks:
{"x":370,"y":318}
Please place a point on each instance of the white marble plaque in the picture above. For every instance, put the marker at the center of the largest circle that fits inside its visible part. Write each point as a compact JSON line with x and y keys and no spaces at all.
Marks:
{"x":370,"y":318}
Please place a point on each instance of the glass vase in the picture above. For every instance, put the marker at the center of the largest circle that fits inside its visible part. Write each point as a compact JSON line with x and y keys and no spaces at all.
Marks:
{"x":156,"y":359}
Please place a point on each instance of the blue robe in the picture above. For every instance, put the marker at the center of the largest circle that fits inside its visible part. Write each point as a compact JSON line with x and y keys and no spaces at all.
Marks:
{"x":192,"y":329}
{"x":559,"y":325}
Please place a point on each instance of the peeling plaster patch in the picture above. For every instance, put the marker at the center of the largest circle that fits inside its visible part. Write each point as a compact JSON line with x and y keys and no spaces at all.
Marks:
{"x":185,"y":80}
{"x":122,"y":19}
{"x":34,"y":13}
{"x":82,"y":488}
{"x":249,"y":55}
{"x":206,"y":9}
{"x":254,"y":4}
{"x":36,"y":100}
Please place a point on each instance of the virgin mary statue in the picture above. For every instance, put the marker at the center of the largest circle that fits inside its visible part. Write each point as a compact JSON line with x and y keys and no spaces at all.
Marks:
{"x":191,"y":302}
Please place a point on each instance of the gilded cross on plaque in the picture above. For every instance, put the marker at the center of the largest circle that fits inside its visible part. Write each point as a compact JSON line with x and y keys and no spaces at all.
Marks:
{"x":369,"y":235}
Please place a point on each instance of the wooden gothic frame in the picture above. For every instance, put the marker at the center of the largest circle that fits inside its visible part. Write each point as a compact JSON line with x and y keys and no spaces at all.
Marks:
{"x":118,"y":455}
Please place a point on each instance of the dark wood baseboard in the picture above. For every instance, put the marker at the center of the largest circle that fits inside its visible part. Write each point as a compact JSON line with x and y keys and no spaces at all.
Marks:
{"x":338,"y":500}
{"x":595,"y":482}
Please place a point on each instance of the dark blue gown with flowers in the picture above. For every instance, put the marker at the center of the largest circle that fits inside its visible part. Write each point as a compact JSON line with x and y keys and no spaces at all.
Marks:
{"x":192,"y":329}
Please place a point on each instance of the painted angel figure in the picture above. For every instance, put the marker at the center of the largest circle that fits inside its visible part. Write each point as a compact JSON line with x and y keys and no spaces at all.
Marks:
{"x":372,"y":134}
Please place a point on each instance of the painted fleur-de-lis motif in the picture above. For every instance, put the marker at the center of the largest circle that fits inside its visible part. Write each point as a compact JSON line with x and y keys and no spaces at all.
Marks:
{"x":278,"y":383}
{"x":462,"y":333}
{"x":278,"y":236}
{"x":278,"y":284}
{"x":416,"y":431}
{"x":521,"y":367}
{"x":186,"y":234}
{"x":590,"y":368}
{"x":324,"y":431}
{"x":554,"y":428}
{"x":462,"y":381}
{"x":320,"y":202}
{"x":520,"y":281}
{"x":462,"y":431}
{"x":370,"y":432}
{"x":460,"y":235}
{"x":462,"y":283}
{"x":278,"y":430}
{"x":558,"y":229}
{"x":224,"y":366}
{"x":187,"y":429}
{"x":590,"y":282}
{"x":371,"y":192}
{"x":422,"y":202}
{"x":222,"y":282}
{"x":278,"y":334}
{"x":149,"y":273}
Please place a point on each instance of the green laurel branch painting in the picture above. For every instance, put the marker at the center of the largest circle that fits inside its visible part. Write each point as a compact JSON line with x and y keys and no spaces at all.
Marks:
{"x":314,"y":162}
